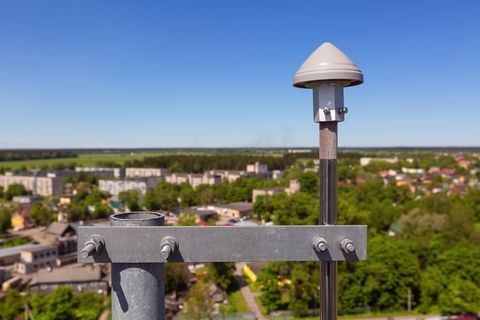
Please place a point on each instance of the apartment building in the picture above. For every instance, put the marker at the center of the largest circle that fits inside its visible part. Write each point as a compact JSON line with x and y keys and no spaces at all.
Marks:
{"x":114,"y":187}
{"x":102,"y":172}
{"x":43,"y":185}
{"x":177,"y":178}
{"x":79,"y":278}
{"x":145,"y":172}
{"x":257,"y":168}
{"x":33,"y":259}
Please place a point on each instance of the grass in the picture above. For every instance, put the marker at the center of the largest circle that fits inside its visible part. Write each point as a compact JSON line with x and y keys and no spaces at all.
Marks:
{"x":237,"y":303}
{"x":477,"y":226}
{"x":90,"y":159}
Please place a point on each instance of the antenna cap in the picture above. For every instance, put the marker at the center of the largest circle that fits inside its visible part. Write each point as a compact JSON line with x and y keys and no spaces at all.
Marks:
{"x":327,"y":64}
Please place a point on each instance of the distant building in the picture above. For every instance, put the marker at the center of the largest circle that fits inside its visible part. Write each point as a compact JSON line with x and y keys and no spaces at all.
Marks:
{"x":51,"y":184}
{"x":31,"y":260}
{"x":115,"y":187}
{"x":266,"y":192}
{"x":177,"y":178}
{"x":236,"y":209}
{"x":21,"y":219}
{"x":277,"y":174}
{"x":102,"y":172}
{"x":366,"y":161}
{"x":145,"y":172}
{"x":80,"y":279}
{"x":9,"y":256}
{"x":202,"y":215}
{"x":257,"y":168}
{"x":27,"y":199}
{"x":413,"y":170}
{"x":64,"y":236}
{"x":294,"y":187}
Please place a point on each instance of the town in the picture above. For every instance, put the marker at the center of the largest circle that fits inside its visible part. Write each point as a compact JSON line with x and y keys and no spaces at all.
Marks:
{"x":392,"y":191}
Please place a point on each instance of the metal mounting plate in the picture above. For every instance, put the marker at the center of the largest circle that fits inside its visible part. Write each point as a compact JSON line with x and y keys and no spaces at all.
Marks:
{"x":137,"y":244}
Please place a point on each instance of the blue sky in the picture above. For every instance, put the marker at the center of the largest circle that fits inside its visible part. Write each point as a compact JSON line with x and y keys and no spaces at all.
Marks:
{"x":218,"y":73}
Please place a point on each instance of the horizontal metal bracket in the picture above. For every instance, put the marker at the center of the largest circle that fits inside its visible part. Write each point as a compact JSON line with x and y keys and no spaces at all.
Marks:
{"x":142,"y":244}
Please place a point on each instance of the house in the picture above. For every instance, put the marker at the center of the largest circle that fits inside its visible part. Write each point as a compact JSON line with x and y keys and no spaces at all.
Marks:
{"x":21,"y":219}
{"x":265,"y":192}
{"x":202,"y":215}
{"x":9,"y":256}
{"x":31,"y":260}
{"x":79,"y":278}
{"x":237,"y":210}
{"x":63,"y":235}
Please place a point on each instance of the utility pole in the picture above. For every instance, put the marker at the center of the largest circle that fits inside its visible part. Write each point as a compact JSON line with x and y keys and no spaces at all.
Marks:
{"x":138,"y":245}
{"x":327,"y":71}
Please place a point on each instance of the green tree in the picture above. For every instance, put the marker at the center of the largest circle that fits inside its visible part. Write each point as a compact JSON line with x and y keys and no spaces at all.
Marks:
{"x":459,"y":297}
{"x":131,"y":199}
{"x":41,"y":214}
{"x":11,"y":306}
{"x":221,"y":273}
{"x":5,"y":220}
{"x":15,"y":189}
{"x":176,"y":278}
{"x":268,"y":280}
{"x":382,"y":281}
{"x":199,"y":305}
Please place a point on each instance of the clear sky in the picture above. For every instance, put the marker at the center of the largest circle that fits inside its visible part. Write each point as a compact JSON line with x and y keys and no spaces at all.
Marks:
{"x":140,"y":73}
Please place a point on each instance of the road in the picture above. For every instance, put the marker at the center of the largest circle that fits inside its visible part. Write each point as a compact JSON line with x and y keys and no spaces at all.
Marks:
{"x":247,"y":293}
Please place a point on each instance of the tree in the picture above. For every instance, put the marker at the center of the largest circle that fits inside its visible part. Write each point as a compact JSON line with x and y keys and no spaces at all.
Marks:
{"x":5,"y":220}
{"x":11,"y":306}
{"x":382,"y":281}
{"x":459,"y":297}
{"x":199,"y":305}
{"x":15,"y":189}
{"x":131,"y":199}
{"x":59,"y":305}
{"x":268,"y":280}
{"x":221,"y":273}
{"x":304,"y":289}
{"x":41,"y":215}
{"x":176,"y":278}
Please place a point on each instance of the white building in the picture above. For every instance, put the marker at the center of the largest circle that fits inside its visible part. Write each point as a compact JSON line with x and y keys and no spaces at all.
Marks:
{"x":114,"y":172}
{"x":365,"y":160}
{"x":36,"y":258}
{"x":145,"y":172}
{"x":115,"y":187}
{"x":177,"y":178}
{"x":257,"y":168}
{"x":39,"y":185}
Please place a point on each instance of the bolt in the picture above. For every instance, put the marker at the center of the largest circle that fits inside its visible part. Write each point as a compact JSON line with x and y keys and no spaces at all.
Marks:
{"x":342,"y":110}
{"x":326,"y":110}
{"x":347,"y":245}
{"x":168,"y":246}
{"x":93,"y":245}
{"x":320,"y":245}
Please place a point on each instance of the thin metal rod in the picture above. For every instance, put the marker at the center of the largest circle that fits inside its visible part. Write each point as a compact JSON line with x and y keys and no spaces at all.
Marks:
{"x":328,"y":215}
{"x":138,"y":289}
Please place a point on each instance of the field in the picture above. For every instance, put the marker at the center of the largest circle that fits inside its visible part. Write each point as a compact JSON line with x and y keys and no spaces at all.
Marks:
{"x":85,"y":160}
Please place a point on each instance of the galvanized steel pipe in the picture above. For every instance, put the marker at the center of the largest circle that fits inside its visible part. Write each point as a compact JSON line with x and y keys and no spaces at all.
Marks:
{"x":138,"y":289}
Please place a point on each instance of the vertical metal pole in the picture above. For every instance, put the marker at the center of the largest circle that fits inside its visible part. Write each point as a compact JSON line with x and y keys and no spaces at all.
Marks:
{"x":138,"y":289}
{"x":328,"y":215}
